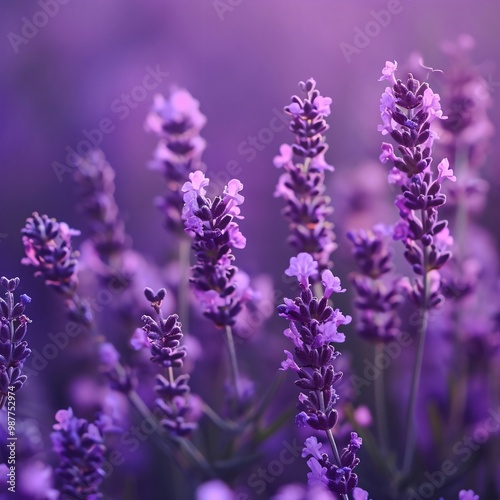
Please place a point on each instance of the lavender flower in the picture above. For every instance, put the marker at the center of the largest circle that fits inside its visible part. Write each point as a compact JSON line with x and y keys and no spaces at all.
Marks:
{"x":313,"y":327}
{"x":407,"y":112}
{"x":177,"y":121}
{"x":215,"y":233}
{"x":13,"y":348}
{"x":379,"y":297}
{"x":47,"y":244}
{"x":303,"y":183}
{"x":338,"y":478}
{"x":81,"y":451}
{"x":96,"y":179}
{"x":164,"y":336}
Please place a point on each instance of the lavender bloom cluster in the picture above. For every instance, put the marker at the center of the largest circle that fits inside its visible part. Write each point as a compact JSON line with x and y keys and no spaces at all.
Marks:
{"x":407,"y":111}
{"x":340,"y":478}
{"x":47,"y":245}
{"x":379,"y":296}
{"x":215,"y":233}
{"x":96,"y":181}
{"x":177,"y":121}
{"x":302,"y":185}
{"x":81,"y":450}
{"x":313,"y":327}
{"x":165,"y":335}
{"x":13,"y":348}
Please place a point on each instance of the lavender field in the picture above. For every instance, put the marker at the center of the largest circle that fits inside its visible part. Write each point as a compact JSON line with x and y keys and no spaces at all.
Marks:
{"x":250,"y":250}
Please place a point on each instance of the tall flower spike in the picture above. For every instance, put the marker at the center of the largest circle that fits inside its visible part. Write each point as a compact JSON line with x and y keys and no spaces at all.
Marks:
{"x":407,"y":111}
{"x":13,"y":348}
{"x":302,"y":185}
{"x":81,"y":450}
{"x":215,"y":232}
{"x":313,"y":326}
{"x":378,"y":295}
{"x":164,"y":336}
{"x":177,"y":121}
{"x":96,"y":180}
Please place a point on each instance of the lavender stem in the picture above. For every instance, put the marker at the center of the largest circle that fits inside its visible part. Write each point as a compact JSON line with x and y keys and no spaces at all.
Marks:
{"x":184,"y":268}
{"x":417,"y":369}
{"x":381,"y":415}
{"x":233,"y":361}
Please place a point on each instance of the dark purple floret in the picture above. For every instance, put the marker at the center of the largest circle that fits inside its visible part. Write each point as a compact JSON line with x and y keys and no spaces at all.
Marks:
{"x":303,"y":183}
{"x":13,"y":348}
{"x":81,"y":450}
{"x":164,"y":336}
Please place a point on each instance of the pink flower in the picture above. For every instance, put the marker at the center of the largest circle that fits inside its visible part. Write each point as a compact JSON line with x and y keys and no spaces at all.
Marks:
{"x":445,"y":172}
{"x":289,"y":363}
{"x":329,"y":333}
{"x":331,"y":283}
{"x":388,"y":72}
{"x":323,"y":105}
{"x":319,"y":163}
{"x":293,"y":334}
{"x":312,"y":447}
{"x":197,"y":183}
{"x":317,"y":476}
{"x":285,"y":156}
{"x":431,"y":104}
{"x":303,"y":267}
{"x":387,"y":153}
{"x":233,"y":198}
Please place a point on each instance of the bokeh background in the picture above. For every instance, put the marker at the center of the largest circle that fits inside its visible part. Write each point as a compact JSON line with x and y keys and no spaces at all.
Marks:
{"x":242,"y":60}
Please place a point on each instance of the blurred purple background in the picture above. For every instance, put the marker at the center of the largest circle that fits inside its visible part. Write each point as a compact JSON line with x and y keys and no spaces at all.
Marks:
{"x":242,"y":63}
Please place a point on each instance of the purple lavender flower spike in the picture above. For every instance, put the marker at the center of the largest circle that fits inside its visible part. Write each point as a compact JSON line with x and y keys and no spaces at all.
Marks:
{"x":96,"y":180}
{"x":313,"y":327}
{"x":47,"y":244}
{"x":303,"y":183}
{"x":407,"y":111}
{"x":177,"y":121}
{"x":378,"y":295}
{"x":215,"y":232}
{"x":13,"y":348}
{"x":81,"y":451}
{"x":164,"y":336}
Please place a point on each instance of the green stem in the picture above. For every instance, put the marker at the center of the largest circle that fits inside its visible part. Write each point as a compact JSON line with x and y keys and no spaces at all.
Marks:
{"x":233,"y":362}
{"x":184,"y":272}
{"x":381,"y":415}
{"x":417,"y":369}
